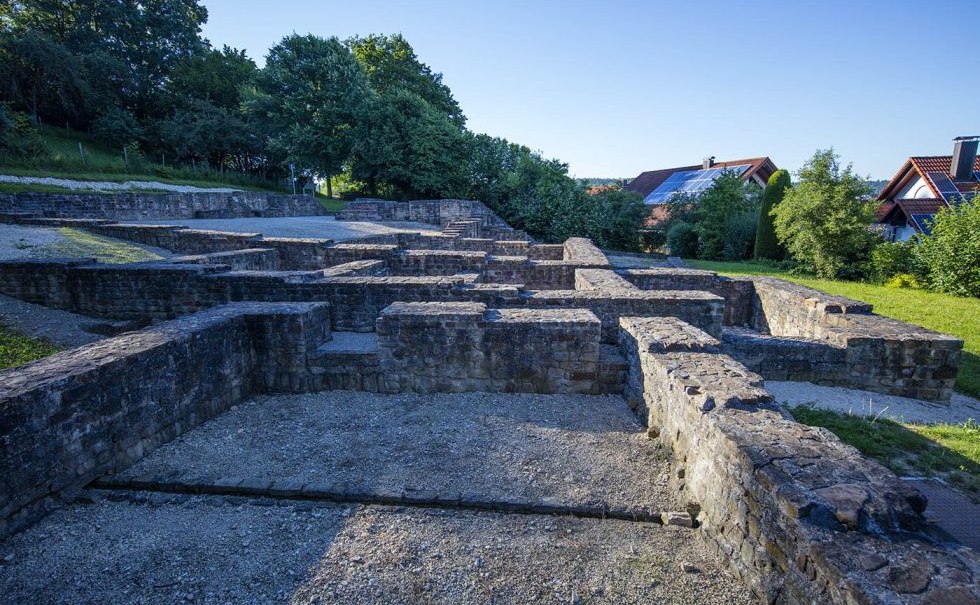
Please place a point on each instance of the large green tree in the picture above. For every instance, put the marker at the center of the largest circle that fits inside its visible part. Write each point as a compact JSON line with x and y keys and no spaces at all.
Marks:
{"x":391,"y":64}
{"x":40,"y":75}
{"x":726,"y":201}
{"x":825,"y":220}
{"x":149,"y":37}
{"x":310,"y":94}
{"x":766,"y":244}
{"x":407,"y":145}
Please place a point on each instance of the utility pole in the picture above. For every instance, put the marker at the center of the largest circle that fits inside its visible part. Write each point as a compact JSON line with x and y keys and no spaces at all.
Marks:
{"x":292,"y":174}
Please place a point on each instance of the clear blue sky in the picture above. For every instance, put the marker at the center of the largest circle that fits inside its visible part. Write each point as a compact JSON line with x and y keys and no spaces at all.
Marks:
{"x":615,"y":88}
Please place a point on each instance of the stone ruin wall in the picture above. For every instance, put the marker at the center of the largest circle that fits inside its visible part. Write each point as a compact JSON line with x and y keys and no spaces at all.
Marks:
{"x":785,"y":331}
{"x":799,"y":516}
{"x":433,"y":212}
{"x":143,"y":206}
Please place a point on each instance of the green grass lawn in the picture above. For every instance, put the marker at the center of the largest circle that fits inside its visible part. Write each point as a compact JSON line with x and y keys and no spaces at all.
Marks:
{"x":953,"y":315}
{"x":104,"y":164}
{"x":947,"y":451}
{"x":17,"y":349}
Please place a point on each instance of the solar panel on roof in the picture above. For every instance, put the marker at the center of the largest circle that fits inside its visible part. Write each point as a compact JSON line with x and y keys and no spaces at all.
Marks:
{"x":945,"y":186}
{"x":923,"y":222}
{"x":690,"y":182}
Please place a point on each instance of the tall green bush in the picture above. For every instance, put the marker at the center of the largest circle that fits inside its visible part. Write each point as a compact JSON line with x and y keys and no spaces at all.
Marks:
{"x":894,"y":258}
{"x":682,"y":240}
{"x":951,"y":253}
{"x":739,"y":236}
{"x":766,"y":244}
{"x":825,"y":220}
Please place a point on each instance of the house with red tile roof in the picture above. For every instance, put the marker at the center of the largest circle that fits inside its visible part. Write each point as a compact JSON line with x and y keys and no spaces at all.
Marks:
{"x":660,"y":186}
{"x":926,"y":184}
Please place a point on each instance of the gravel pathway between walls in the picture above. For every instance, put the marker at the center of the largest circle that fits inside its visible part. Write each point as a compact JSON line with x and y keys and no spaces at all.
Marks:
{"x":865,"y":403}
{"x":61,"y":328}
{"x":559,"y":449}
{"x":325,"y":227}
{"x":157,"y":548}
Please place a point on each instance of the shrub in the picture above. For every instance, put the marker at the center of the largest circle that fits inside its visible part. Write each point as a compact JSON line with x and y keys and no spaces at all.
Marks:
{"x":117,"y":127}
{"x":682,"y":240}
{"x":18,"y":135}
{"x":904,"y":280}
{"x":727,"y":197}
{"x":738,"y":236}
{"x":951,"y":254}
{"x":652,"y":240}
{"x":893,"y":258}
{"x":766,"y":244}
{"x":825,"y":220}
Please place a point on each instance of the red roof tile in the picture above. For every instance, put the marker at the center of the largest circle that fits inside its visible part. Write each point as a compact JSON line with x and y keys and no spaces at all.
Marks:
{"x":883,"y":210}
{"x":650,"y":180}
{"x":921,"y":206}
{"x":924,"y":165}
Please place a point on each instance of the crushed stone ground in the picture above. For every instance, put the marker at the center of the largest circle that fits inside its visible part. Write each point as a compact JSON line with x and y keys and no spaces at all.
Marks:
{"x":326,"y":227}
{"x":158,"y":548}
{"x":61,"y":328}
{"x":865,"y":403}
{"x":111,"y":185}
{"x":21,"y":241}
{"x":561,"y":449}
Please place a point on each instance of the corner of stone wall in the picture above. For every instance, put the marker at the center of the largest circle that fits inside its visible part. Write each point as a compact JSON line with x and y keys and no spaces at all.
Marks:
{"x":800,"y":516}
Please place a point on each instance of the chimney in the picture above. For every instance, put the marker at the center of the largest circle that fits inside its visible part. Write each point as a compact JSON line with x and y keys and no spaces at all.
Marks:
{"x":709,"y":162}
{"x":964,"y":154}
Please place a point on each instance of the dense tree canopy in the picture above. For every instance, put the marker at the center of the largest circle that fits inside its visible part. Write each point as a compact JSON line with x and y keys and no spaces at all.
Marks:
{"x":138,"y":77}
{"x":311,"y":92}
{"x":825,"y":220}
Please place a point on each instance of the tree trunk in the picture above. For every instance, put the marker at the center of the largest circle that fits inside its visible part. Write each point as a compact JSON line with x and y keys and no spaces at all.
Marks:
{"x":329,"y":187}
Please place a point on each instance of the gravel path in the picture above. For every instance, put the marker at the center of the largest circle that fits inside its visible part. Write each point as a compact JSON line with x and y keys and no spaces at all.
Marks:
{"x":865,"y":403}
{"x":210,"y":550}
{"x":111,"y":186}
{"x":61,"y":328}
{"x":300,"y":226}
{"x":18,"y":241}
{"x":567,"y":450}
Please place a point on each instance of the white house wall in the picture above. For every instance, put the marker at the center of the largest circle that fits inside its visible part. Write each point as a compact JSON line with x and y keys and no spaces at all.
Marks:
{"x":917,"y":188}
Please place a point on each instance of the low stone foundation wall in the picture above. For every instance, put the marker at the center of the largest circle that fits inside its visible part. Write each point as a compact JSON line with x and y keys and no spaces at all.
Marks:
{"x":454,"y":347}
{"x":737,"y":292}
{"x":143,"y":206}
{"x":800,"y":517}
{"x":881,"y":354}
{"x":76,"y":415}
{"x":790,"y":332}
{"x":294,"y":254}
{"x":249,"y":259}
{"x":434,"y":212}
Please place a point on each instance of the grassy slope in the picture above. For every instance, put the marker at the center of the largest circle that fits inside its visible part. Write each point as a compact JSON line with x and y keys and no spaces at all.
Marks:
{"x":17,"y":349}
{"x":941,"y":312}
{"x":101,"y":164}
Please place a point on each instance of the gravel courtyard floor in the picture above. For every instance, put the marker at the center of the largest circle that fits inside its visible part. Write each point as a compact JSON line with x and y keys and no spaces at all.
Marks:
{"x":298,"y":226}
{"x":560,"y":449}
{"x":160,"y":548}
{"x":60,"y":328}
{"x":123,"y":546}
